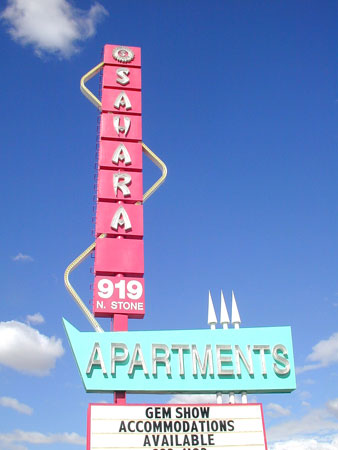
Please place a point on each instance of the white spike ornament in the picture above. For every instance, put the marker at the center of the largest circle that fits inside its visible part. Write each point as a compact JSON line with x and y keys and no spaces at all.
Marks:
{"x":212,"y":318}
{"x":235,"y":317}
{"x":224,"y":320}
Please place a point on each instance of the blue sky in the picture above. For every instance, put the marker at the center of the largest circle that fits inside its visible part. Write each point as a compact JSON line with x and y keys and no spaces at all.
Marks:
{"x":239,"y":101}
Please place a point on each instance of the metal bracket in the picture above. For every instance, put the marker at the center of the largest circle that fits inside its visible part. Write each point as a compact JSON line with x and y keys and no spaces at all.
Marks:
{"x":85,"y":91}
{"x":160,"y":164}
{"x":89,"y":316}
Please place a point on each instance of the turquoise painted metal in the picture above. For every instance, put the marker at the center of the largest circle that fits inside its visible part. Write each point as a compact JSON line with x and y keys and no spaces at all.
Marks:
{"x":266,"y":366}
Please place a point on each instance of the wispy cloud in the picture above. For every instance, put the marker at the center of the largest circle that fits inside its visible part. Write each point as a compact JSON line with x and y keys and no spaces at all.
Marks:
{"x":309,"y":381}
{"x":53,"y":26}
{"x":24,"y":349}
{"x":304,"y":395}
{"x":13,"y":403}
{"x":203,"y":398}
{"x":193,"y":398}
{"x":317,"y":443}
{"x":22,"y":258}
{"x":35,"y":319}
{"x":323,"y":354}
{"x":276,"y":410}
{"x":332,"y":407}
{"x":14,"y":439}
{"x":316,"y":422}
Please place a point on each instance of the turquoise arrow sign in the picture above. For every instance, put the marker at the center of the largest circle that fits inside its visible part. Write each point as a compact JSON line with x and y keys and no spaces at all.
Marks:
{"x":253,"y":360}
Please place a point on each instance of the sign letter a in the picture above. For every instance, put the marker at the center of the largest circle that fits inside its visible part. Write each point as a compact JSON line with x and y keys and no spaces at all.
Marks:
{"x":121,"y":154}
{"x":121,"y":219}
{"x":122,"y":100}
{"x":98,"y":362}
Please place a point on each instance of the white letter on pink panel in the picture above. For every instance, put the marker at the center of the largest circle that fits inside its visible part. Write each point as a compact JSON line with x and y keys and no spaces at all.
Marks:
{"x":121,"y":154}
{"x":121,"y":219}
{"x":121,"y":181}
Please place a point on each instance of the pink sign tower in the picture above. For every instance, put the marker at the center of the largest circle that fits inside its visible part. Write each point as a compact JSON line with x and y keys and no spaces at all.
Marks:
{"x":119,"y":256}
{"x":119,"y":253}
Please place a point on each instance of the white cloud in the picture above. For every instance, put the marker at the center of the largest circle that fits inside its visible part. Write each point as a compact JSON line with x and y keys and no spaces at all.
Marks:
{"x":323,"y":354}
{"x":35,"y":319}
{"x":309,"y":381}
{"x":193,"y":398}
{"x":304,"y":394}
{"x":276,"y":410}
{"x":326,"y":351}
{"x":11,"y":440}
{"x":316,"y":422}
{"x":26,"y":350}
{"x":9,"y":402}
{"x":307,"y":367}
{"x":5,"y":445}
{"x":204,"y":398}
{"x":332,"y":407}
{"x":53,"y":26}
{"x":23,"y":258}
{"x":328,"y":443}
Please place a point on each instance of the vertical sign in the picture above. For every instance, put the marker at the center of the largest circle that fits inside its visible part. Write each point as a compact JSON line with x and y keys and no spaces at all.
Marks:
{"x":119,"y":258}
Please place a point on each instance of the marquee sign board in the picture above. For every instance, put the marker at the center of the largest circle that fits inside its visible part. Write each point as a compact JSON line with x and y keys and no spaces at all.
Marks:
{"x":157,"y":427}
{"x":253,"y":360}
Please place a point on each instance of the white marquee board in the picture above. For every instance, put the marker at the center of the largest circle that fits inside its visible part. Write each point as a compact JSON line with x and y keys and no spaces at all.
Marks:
{"x":176,"y":427}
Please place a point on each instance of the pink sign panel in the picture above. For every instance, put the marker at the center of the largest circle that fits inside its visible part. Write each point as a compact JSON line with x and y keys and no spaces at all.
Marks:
{"x":122,"y":56}
{"x":113,"y":256}
{"x":116,"y":155}
{"x":119,"y":219}
{"x":121,"y":77}
{"x":119,"y":257}
{"x":121,"y":126}
{"x":121,"y":101}
{"x":117,"y":185}
{"x":118,"y":295}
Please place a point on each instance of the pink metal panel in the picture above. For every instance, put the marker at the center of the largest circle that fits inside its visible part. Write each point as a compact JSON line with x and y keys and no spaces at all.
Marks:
{"x":110,"y":97}
{"x":125,"y":256}
{"x":120,"y":398}
{"x":108,"y":130}
{"x":110,"y":77}
{"x":105,"y":213}
{"x":107,"y":151}
{"x":106,"y":191}
{"x":109,"y":59}
{"x":118,"y":295}
{"x":264,"y":430}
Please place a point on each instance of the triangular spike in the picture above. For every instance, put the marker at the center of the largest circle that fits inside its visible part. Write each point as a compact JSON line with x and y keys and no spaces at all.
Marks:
{"x":235,"y":317}
{"x":212,"y":319}
{"x":70,"y":329}
{"x":224,"y":320}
